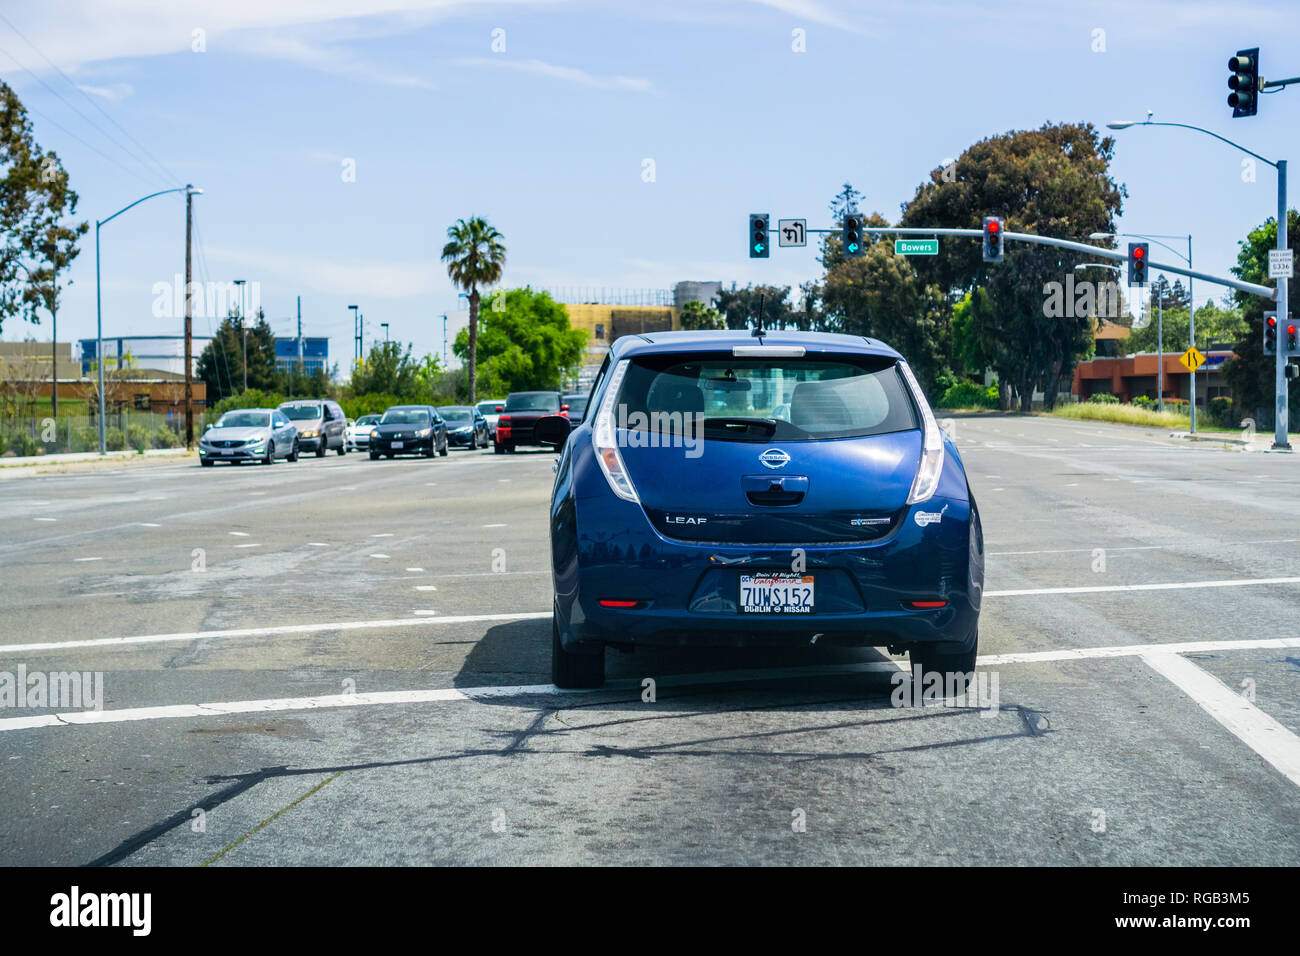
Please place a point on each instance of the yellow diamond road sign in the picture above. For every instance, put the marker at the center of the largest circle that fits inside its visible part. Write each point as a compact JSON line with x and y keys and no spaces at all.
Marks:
{"x":1192,"y":359}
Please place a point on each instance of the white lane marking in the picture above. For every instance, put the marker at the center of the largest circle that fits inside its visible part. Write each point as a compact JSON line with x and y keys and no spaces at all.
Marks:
{"x":415,"y":569}
{"x":248,"y":546}
{"x":45,"y":519}
{"x":317,"y":544}
{"x":386,"y":534}
{"x":1136,"y":650}
{"x":443,"y":695}
{"x":379,"y":555}
{"x":1172,"y":586}
{"x":1141,"y":547}
{"x":426,"y":587}
{"x":494,"y":526}
{"x":239,"y":534}
{"x":87,"y":559}
{"x":1256,"y":729}
{"x":428,"y":613}
{"x":149,"y":524}
{"x":263,"y":631}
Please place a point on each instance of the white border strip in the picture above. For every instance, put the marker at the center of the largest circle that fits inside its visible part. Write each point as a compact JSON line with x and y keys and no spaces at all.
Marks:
{"x":1175,"y":586}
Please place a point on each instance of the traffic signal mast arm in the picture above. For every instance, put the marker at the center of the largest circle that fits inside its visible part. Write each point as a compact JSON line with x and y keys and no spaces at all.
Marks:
{"x":1114,"y":254}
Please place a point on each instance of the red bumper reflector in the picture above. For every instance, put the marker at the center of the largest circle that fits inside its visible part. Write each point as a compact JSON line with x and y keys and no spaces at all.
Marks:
{"x":926,"y":605}
{"x":605,"y":603}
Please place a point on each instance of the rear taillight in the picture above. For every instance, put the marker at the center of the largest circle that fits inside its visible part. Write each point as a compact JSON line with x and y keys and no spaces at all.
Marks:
{"x":606,"y":602}
{"x":604,"y":439}
{"x":930,"y":468}
{"x":926,"y":605}
{"x":504,"y":420}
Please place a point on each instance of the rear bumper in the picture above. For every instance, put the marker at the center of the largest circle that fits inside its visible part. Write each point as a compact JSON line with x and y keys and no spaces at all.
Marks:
{"x":687,"y":593}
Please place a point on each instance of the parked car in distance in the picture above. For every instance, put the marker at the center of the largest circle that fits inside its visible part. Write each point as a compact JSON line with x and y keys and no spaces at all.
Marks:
{"x":358,"y":433}
{"x":491,"y":409}
{"x":706,"y":507}
{"x":577,"y":402}
{"x":409,"y":430}
{"x":320,"y":422}
{"x":522,"y":411}
{"x":466,"y":426}
{"x":249,"y":434}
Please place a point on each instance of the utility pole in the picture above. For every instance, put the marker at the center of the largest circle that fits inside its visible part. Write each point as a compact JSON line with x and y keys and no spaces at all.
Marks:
{"x":54,"y":340}
{"x":189,"y":323}
{"x":356,"y":336}
{"x":1283,"y":317}
{"x":243,"y":330}
{"x":1160,"y":353}
{"x":444,"y":341}
{"x":300,"y":334}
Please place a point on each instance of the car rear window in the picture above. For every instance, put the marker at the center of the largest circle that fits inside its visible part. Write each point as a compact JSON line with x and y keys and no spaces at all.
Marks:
{"x":406,"y":416}
{"x":533,"y":402}
{"x":302,"y":413}
{"x":782,"y":399}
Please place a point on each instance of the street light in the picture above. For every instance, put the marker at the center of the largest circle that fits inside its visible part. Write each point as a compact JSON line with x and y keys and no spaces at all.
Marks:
{"x":385,"y":325}
{"x":1282,"y":413}
{"x":99,"y":309}
{"x":243,"y":331}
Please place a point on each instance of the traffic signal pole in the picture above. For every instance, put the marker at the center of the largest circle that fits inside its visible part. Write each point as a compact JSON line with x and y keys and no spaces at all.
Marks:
{"x":1282,"y":414}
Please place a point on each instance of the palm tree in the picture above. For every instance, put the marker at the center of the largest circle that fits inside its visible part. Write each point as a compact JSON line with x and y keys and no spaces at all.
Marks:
{"x":474,"y":256}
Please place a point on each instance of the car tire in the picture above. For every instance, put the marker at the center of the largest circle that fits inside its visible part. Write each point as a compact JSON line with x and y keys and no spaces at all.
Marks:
{"x":343,"y":448}
{"x":574,"y":670}
{"x":929,"y":659}
{"x":374,"y":456}
{"x":389,"y":455}
{"x":206,"y":462}
{"x":446,"y":446}
{"x":499,"y":449}
{"x":293,"y":455}
{"x":430,"y":452}
{"x":510,"y":449}
{"x":270,"y":454}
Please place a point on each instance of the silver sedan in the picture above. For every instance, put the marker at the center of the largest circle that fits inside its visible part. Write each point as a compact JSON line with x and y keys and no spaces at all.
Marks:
{"x":249,"y":434}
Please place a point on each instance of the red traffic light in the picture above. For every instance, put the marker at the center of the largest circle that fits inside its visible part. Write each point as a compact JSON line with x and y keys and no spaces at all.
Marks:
{"x":1139,"y":252}
{"x":993,"y":226}
{"x":1272,"y":322}
{"x":1290,"y":330}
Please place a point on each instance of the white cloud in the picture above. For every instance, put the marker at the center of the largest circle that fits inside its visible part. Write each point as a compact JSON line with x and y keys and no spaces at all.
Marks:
{"x":116,"y":92}
{"x":382,"y":280}
{"x":568,"y":74}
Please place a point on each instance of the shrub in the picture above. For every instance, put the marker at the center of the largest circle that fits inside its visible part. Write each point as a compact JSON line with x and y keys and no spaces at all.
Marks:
{"x":1103,"y":398}
{"x":85,"y":438}
{"x":114,"y":439}
{"x":969,"y":395}
{"x":138,"y":437}
{"x":164,"y":437}
{"x":1143,"y":401}
{"x":1221,"y":412}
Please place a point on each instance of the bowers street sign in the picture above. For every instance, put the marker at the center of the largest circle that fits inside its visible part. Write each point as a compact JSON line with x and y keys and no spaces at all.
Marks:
{"x":916,"y":247}
{"x":1192,"y":359}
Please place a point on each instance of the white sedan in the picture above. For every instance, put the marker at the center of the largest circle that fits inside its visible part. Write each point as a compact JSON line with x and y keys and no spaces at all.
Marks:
{"x":357,"y":434}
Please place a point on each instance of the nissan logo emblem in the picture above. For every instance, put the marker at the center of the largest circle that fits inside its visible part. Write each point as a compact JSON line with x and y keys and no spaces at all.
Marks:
{"x":774,"y":458}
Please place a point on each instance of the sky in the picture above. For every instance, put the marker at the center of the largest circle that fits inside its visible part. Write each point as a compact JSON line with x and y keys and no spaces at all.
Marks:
{"x":614,"y":145}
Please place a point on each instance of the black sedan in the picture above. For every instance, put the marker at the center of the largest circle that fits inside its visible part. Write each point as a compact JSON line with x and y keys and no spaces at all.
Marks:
{"x":409,"y":430}
{"x":466,"y":426}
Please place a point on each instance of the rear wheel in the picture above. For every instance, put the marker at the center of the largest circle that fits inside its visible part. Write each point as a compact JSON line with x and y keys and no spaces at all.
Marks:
{"x":574,"y":670}
{"x":293,"y":455}
{"x":499,"y":449}
{"x":510,"y":448}
{"x":374,"y":456}
{"x":955,"y":668}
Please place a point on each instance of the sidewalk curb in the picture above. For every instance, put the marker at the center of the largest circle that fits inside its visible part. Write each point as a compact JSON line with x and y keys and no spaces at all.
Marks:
{"x":74,"y":457}
{"x":1257,"y":446}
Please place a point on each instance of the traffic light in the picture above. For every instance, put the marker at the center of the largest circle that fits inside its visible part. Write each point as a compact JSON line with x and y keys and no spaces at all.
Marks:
{"x":1137,"y":263}
{"x":852,"y":235}
{"x":992,"y":239}
{"x":1270,"y":333}
{"x":1292,"y":346}
{"x":1244,"y":82}
{"x":758,"y":248}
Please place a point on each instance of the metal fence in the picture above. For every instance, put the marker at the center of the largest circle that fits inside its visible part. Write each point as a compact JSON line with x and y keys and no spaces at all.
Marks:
{"x":124,"y":429}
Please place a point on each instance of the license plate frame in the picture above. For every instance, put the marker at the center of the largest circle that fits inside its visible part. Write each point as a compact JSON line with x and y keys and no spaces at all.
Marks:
{"x":397,"y":444}
{"x":796,"y":590}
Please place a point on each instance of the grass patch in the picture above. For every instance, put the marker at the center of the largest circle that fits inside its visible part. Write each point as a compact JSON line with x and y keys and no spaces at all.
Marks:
{"x":1123,"y":415}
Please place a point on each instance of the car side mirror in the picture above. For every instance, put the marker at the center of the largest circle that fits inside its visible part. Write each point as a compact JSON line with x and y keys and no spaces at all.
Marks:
{"x":500,"y":408}
{"x":552,"y":430}
{"x":207,"y":426}
{"x":564,"y":408}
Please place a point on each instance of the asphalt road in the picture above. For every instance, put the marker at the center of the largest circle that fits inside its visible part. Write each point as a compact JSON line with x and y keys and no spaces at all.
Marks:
{"x":347,"y":662}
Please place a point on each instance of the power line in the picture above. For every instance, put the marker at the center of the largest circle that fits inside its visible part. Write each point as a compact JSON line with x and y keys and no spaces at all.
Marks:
{"x":88,"y":120}
{"x":166,"y":172}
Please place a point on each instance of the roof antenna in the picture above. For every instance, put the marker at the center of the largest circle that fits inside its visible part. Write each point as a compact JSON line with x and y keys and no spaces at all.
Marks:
{"x":757,"y":331}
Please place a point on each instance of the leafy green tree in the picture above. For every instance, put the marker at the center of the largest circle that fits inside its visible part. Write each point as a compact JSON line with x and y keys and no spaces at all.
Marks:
{"x":1250,"y":374}
{"x":739,"y":307}
{"x":1213,"y":324}
{"x":1053,"y":181}
{"x":879,"y":295}
{"x":389,"y":369}
{"x":475,"y":256}
{"x":221,"y":363}
{"x":970,"y":317}
{"x":697,"y":315}
{"x":525,"y":343}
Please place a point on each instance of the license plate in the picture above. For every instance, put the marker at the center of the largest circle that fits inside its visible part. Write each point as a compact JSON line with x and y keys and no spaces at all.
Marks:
{"x":776,"y":593}
{"x":397,"y":444}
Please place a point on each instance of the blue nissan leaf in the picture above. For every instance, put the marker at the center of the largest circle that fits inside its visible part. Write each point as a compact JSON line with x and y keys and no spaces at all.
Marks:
{"x":782,"y":489}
